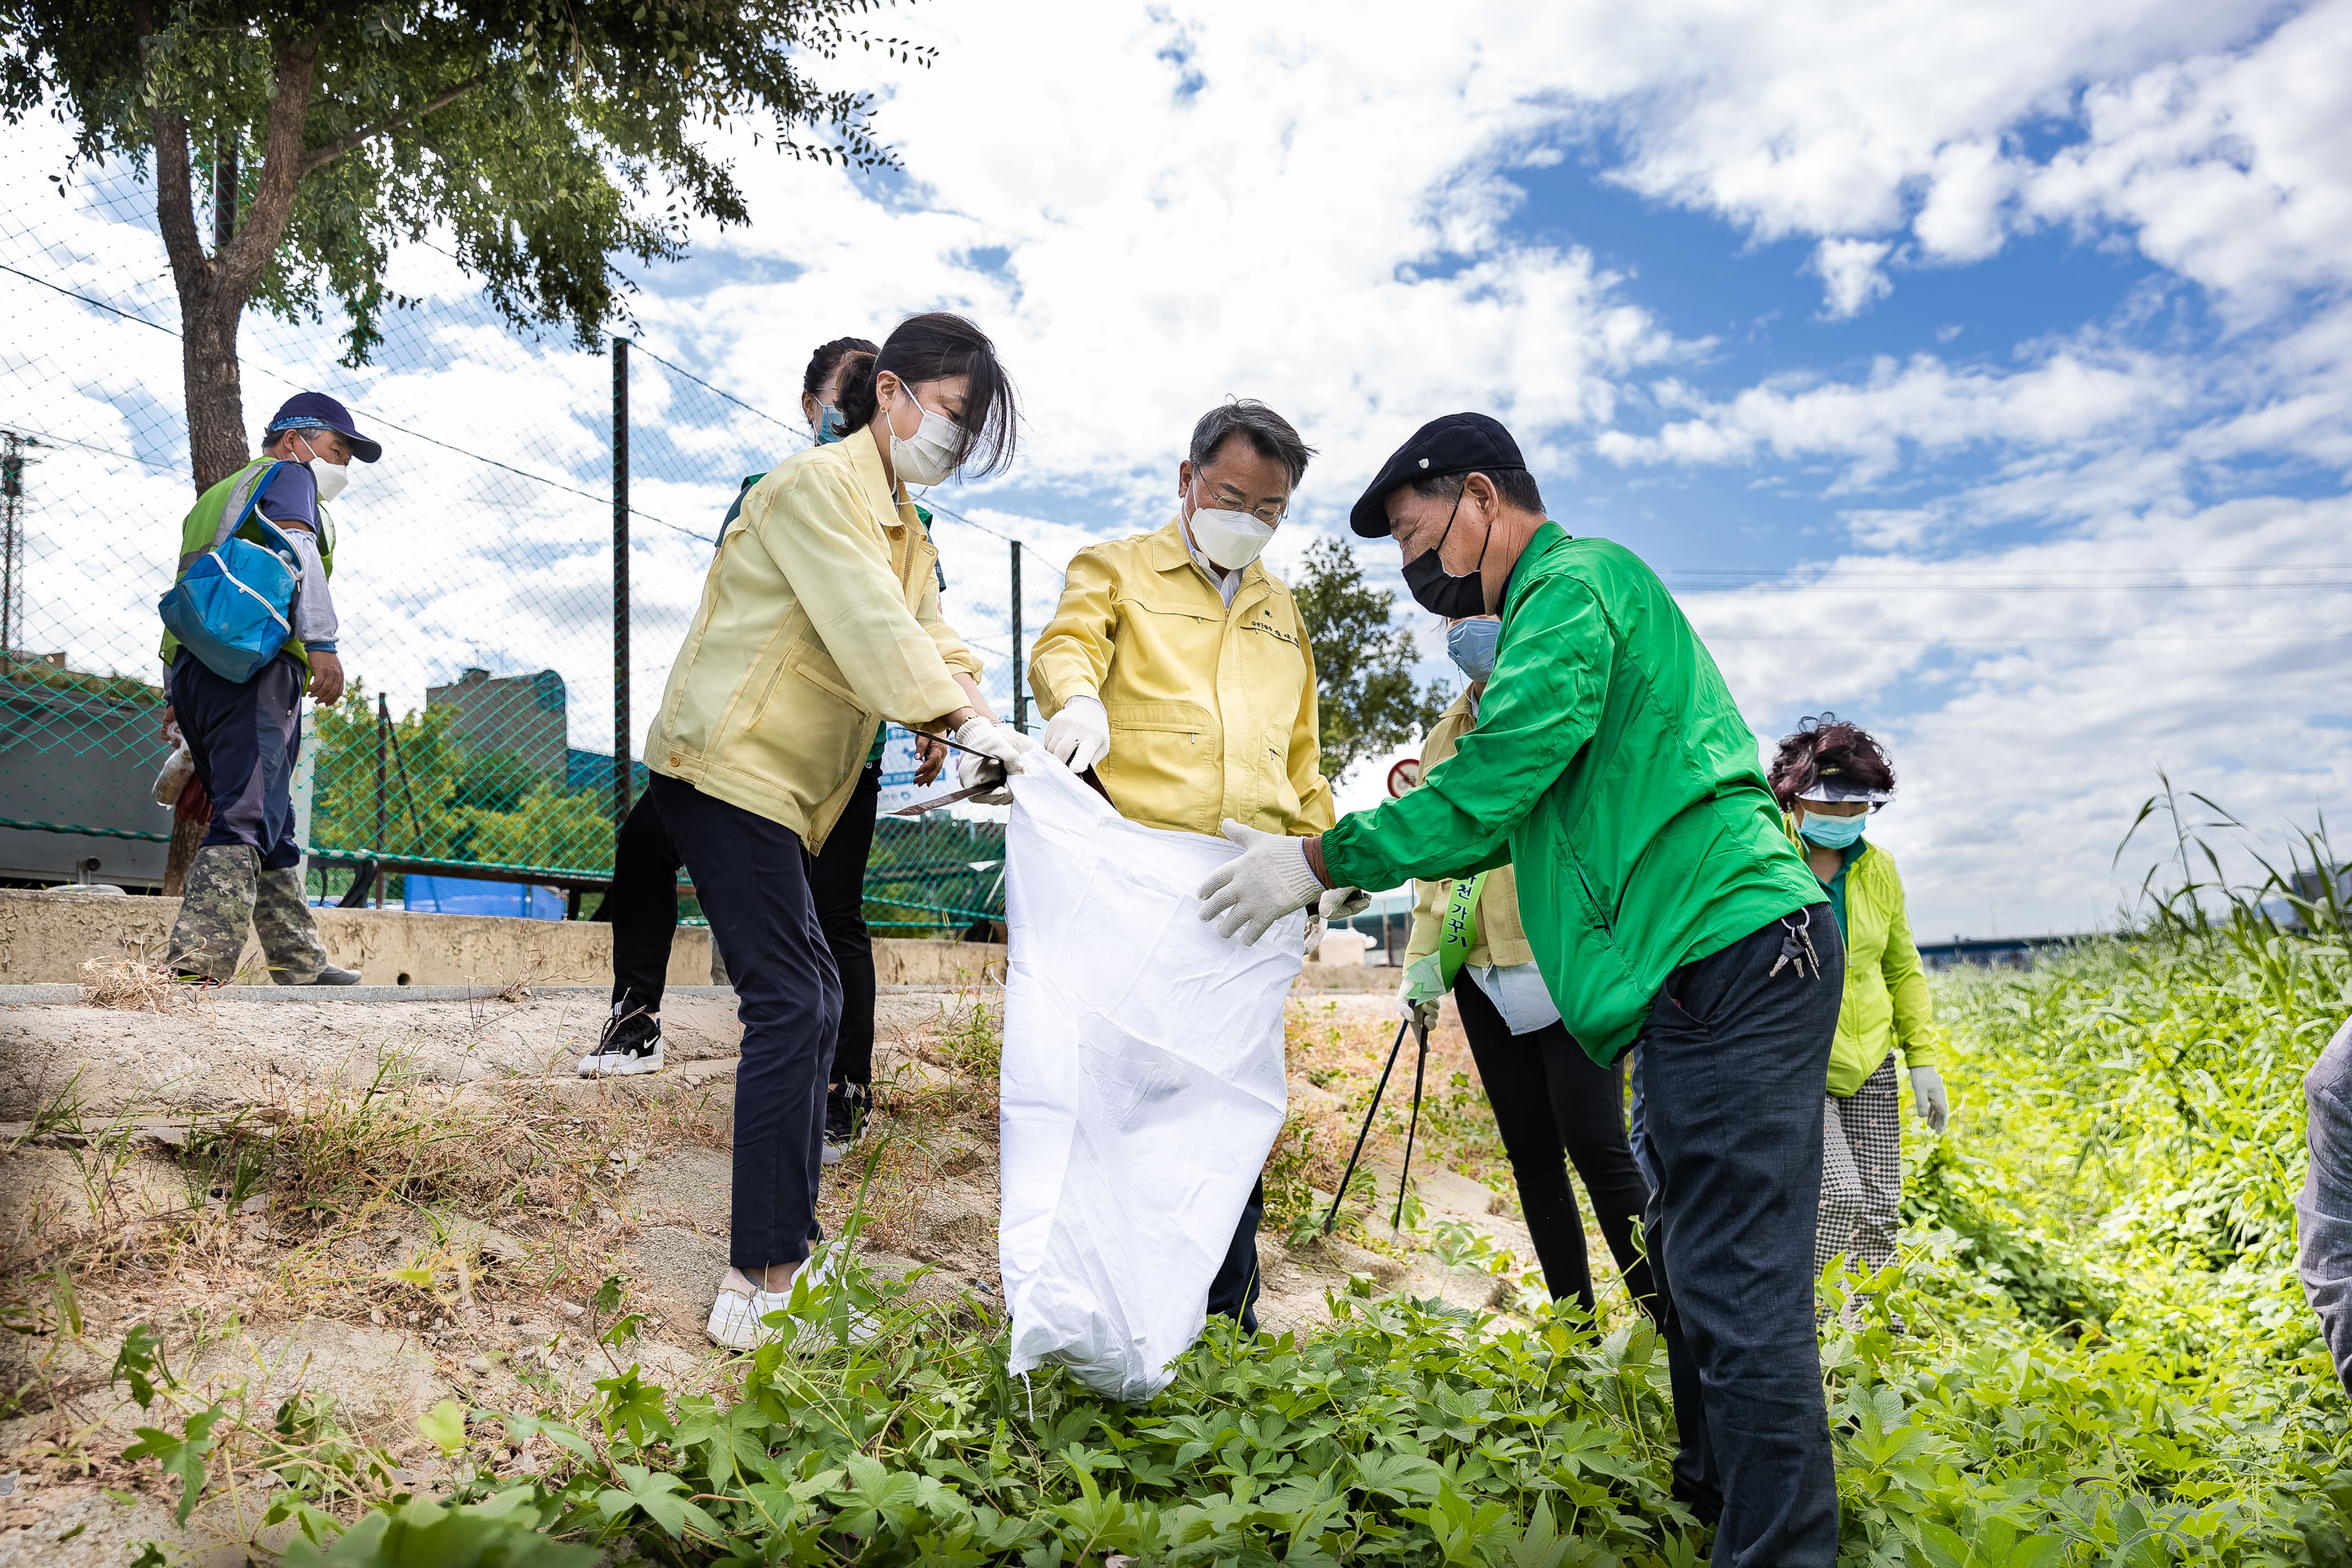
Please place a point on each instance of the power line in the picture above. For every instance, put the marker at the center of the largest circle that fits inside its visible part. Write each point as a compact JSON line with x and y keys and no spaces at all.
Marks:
{"x":378,"y":419}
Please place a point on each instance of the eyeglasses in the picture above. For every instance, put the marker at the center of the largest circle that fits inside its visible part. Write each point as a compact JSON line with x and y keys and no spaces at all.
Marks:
{"x":1229,"y":500}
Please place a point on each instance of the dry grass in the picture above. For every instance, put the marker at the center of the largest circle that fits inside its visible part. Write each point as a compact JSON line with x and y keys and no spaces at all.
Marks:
{"x":132,"y":985}
{"x":383,"y":1201}
{"x":936,"y":1121}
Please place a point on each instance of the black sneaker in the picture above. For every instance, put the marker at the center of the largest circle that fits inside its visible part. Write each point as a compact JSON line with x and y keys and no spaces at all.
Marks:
{"x":631,"y":1043}
{"x":846,"y":1107}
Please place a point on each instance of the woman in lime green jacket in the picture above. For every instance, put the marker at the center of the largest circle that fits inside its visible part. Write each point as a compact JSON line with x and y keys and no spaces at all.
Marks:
{"x":1830,"y":777}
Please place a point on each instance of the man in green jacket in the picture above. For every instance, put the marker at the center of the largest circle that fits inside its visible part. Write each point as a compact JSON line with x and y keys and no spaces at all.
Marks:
{"x":1664,"y":904}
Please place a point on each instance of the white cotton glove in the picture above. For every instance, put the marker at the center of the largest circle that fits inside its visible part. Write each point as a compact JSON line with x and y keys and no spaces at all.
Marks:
{"x":1338,"y":903}
{"x":1265,"y":881}
{"x":991,"y":750}
{"x":1419,"y":992}
{"x":1927,"y":1094}
{"x":1080,"y":733}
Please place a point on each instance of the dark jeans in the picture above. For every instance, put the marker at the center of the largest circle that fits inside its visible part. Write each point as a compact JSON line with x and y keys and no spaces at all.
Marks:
{"x":837,"y":884}
{"x":1634,"y":1118}
{"x":642,"y":905}
{"x":1548,"y":1095}
{"x":243,"y":737}
{"x":751,"y":876}
{"x":643,"y":909}
{"x":1735,"y":1063}
{"x":1234,"y":1292}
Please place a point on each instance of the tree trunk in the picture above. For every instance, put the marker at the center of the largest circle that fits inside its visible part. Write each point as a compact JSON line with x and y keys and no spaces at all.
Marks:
{"x":214,"y":289}
{"x":216,"y":392}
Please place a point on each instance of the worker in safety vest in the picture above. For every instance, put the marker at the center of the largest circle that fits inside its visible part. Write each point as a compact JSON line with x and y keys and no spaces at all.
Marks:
{"x":1179,"y":669}
{"x":244,"y":735}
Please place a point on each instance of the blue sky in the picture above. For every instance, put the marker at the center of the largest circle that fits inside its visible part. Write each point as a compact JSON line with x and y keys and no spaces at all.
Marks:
{"x":1980,"y":372}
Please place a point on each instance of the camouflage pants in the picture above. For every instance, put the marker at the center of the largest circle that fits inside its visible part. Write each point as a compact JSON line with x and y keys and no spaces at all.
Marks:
{"x":227,"y":891}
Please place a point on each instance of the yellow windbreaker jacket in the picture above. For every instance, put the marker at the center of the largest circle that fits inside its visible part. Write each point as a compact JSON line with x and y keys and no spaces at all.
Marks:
{"x":819,"y":619}
{"x":1212,"y":709}
{"x":1501,"y":939}
{"x":1886,"y":1006}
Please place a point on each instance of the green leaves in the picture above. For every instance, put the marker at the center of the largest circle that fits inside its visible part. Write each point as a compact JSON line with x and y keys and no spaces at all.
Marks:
{"x":1366,"y":698}
{"x":184,"y":1455}
{"x":2196,"y":1423}
{"x":137,"y":1363}
{"x":659,"y":1497}
{"x":635,"y":1409}
{"x":502,"y":1531}
{"x":443,"y":1427}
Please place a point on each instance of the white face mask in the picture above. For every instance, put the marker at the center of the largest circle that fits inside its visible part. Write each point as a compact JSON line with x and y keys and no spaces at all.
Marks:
{"x":928,"y":456}
{"x":332,"y":476}
{"x":1230,"y":539}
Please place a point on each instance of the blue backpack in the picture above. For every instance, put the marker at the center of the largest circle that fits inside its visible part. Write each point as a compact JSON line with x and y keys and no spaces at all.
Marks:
{"x":233,"y":608}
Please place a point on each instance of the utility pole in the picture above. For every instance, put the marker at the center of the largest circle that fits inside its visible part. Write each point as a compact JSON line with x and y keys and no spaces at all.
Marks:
{"x":1020,"y":685}
{"x":13,"y":462}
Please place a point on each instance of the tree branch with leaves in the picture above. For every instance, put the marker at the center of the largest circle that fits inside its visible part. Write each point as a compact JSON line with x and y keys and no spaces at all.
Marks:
{"x":542,"y":141}
{"x":1366,"y":695}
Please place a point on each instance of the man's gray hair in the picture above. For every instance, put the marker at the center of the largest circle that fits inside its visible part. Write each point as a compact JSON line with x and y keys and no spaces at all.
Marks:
{"x":1261,"y":427}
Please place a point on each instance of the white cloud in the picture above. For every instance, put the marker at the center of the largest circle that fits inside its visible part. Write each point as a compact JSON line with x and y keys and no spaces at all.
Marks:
{"x":1854,"y":273}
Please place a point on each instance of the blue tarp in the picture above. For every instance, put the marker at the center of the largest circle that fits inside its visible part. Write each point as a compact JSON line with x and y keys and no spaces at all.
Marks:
{"x":473,"y":895}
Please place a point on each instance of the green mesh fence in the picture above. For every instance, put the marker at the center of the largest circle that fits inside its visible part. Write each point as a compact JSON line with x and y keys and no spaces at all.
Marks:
{"x":473,"y":574}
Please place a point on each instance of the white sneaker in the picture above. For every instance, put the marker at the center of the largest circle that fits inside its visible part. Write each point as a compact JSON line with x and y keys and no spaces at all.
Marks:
{"x":738,"y":1317}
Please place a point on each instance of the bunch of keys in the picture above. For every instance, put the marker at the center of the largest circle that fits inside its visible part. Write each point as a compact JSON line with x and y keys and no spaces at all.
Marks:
{"x":1797,"y":945}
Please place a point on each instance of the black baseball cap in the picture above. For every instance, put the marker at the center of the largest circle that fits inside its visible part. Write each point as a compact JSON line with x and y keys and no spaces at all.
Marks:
{"x":317,"y":411}
{"x":1452,"y":444}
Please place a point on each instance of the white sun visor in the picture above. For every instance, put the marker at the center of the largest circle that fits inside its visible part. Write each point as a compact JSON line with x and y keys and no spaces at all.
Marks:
{"x":1834,"y":791}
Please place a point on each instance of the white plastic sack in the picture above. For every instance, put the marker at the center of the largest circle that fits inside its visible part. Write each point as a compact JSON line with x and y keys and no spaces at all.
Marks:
{"x":1142,"y":1085}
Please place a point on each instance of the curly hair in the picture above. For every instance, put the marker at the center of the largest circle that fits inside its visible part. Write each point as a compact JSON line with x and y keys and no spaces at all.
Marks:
{"x":1825,"y":743}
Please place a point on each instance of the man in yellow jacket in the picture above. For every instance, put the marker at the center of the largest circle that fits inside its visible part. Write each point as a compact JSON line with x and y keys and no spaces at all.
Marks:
{"x":1179,"y":669}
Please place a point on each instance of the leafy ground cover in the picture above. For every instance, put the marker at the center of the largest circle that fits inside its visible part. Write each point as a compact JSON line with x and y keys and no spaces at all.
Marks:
{"x":2093,"y":1351}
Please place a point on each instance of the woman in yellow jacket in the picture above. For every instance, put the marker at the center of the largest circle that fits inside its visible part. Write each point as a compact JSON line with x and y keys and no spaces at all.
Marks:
{"x":1548,"y":1096}
{"x":1830,"y":776}
{"x":819,"y":619}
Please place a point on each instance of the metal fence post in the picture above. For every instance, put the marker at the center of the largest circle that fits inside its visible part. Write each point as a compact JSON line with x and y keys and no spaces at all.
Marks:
{"x":620,"y":578}
{"x":1020,"y":685}
{"x":382,"y":739}
{"x":13,"y":446}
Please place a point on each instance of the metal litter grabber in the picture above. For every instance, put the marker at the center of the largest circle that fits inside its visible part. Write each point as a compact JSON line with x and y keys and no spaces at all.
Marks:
{"x":1420,"y":1062}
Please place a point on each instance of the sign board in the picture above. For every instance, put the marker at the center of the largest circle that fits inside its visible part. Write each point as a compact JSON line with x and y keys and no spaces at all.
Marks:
{"x":899,"y":789}
{"x":1404,"y":777}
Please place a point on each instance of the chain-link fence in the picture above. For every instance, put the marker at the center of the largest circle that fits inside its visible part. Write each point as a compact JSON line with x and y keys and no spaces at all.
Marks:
{"x":499,"y":664}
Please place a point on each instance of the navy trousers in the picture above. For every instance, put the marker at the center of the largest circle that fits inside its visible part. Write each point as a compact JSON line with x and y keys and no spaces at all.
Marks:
{"x":243,"y":737}
{"x":1233,"y":1293}
{"x":752,"y":875}
{"x":642,"y":907}
{"x":1735,"y":1063}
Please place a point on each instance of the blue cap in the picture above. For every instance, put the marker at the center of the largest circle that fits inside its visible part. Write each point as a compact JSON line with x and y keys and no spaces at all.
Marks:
{"x":317,"y":411}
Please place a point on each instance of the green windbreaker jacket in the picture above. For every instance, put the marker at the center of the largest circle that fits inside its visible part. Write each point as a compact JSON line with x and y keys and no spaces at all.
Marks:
{"x":1612,"y":769}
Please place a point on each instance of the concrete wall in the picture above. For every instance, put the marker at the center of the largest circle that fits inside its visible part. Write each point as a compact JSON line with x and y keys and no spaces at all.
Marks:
{"x":45,"y":938}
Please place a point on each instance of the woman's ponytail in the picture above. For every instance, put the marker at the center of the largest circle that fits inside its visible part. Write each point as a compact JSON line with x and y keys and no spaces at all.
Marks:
{"x":855,"y":399}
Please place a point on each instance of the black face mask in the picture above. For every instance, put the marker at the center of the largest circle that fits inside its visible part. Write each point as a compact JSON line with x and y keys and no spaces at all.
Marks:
{"x":1438,"y":591}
